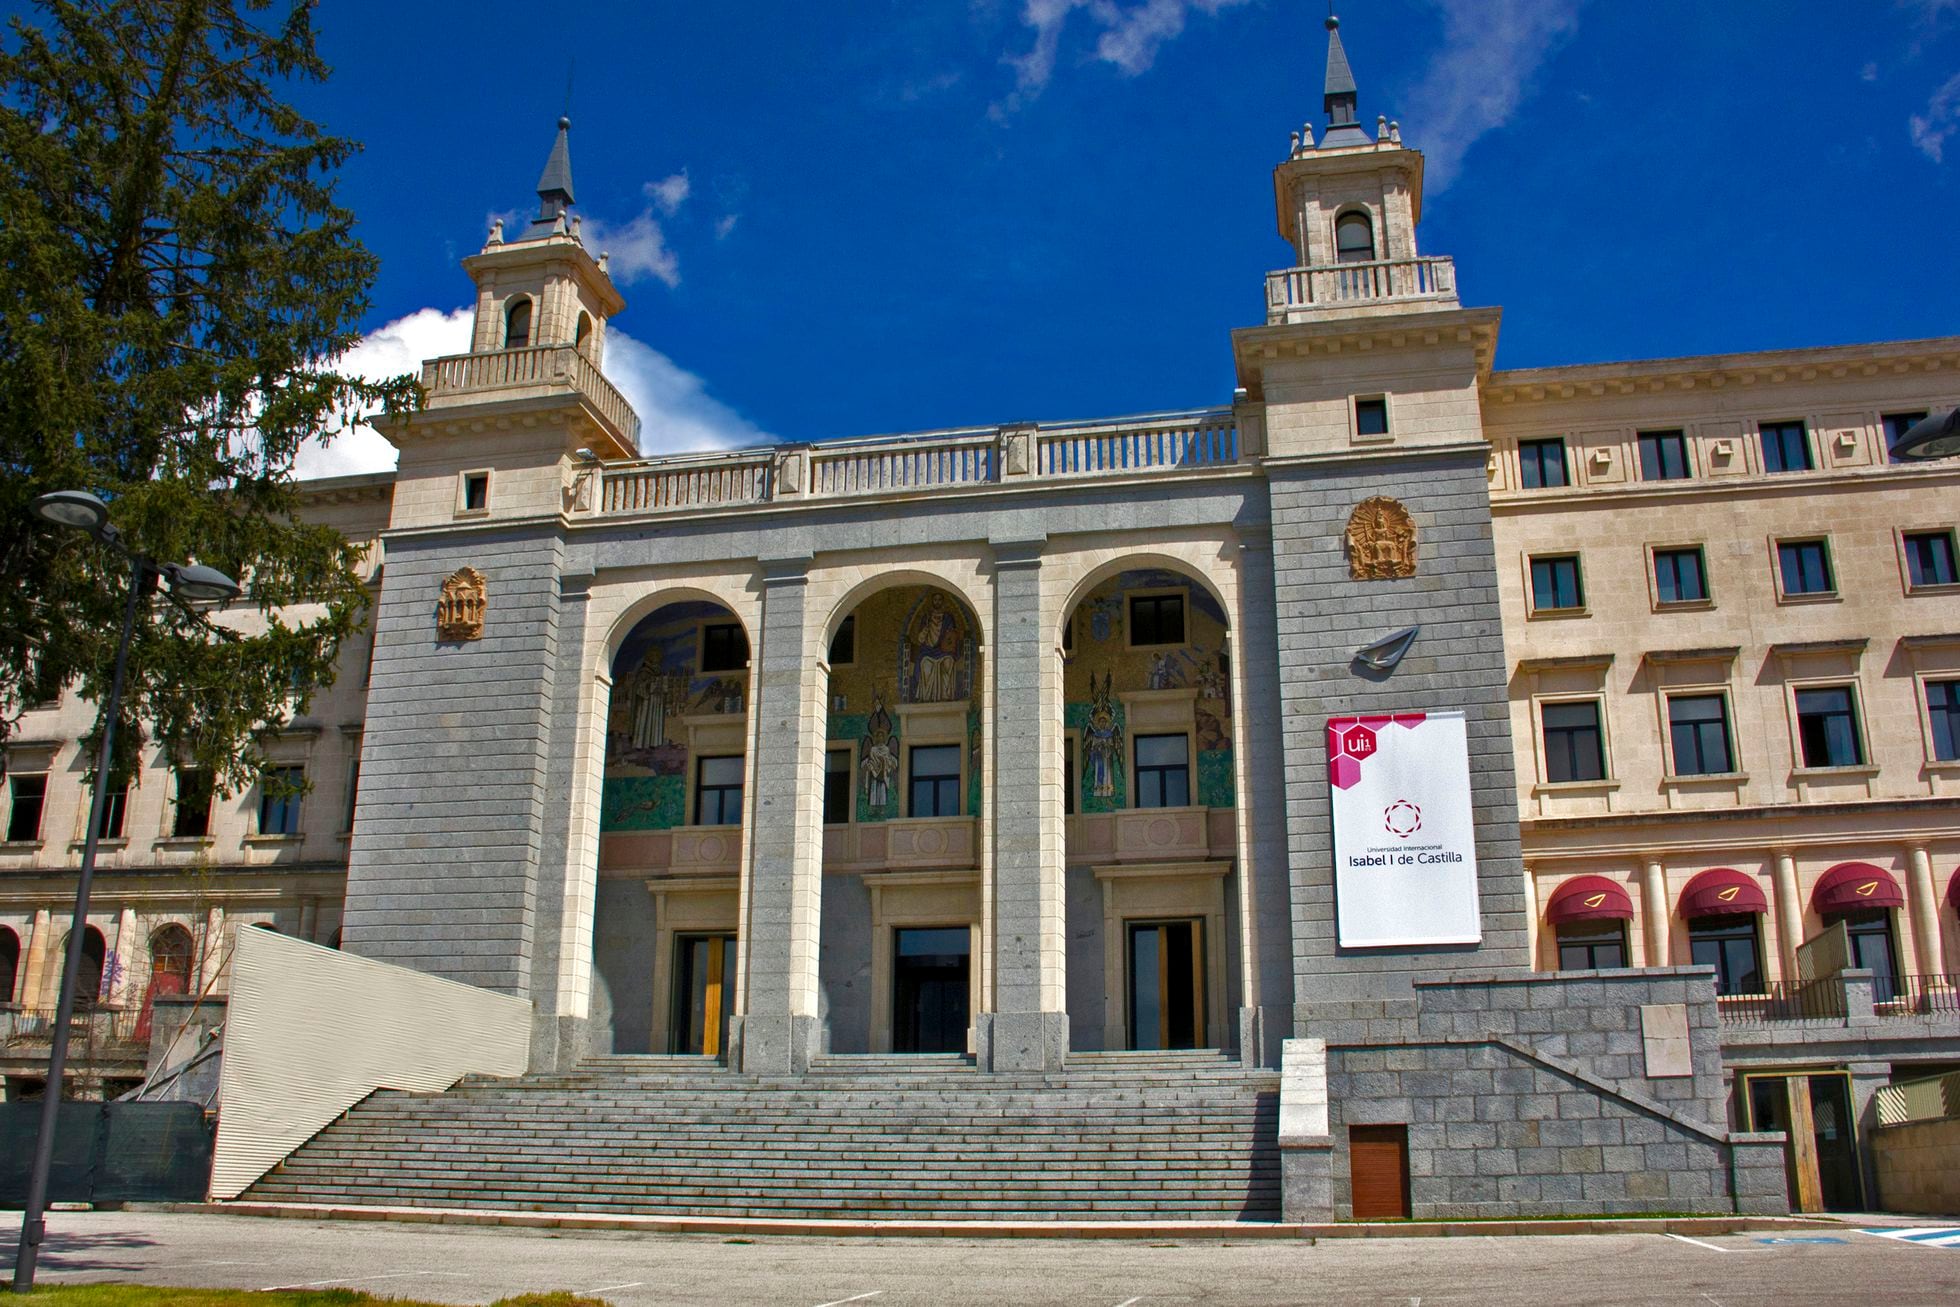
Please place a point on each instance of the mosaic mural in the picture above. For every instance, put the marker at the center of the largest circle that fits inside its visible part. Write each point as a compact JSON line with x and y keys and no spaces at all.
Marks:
{"x":656,"y":684}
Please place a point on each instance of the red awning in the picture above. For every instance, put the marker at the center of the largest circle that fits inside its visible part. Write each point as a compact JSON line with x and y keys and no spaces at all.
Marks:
{"x":1589,"y":898}
{"x":1723,"y":892}
{"x":1850,"y":886}
{"x":1953,"y":891}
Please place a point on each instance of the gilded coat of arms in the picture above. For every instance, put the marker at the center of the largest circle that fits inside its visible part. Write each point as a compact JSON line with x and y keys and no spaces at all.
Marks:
{"x":459,"y":613}
{"x":1381,"y":541}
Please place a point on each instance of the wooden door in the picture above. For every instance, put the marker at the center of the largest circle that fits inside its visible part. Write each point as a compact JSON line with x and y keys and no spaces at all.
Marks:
{"x":1378,"y":1171}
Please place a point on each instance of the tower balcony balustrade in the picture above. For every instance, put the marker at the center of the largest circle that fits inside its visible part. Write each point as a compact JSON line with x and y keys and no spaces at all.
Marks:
{"x":507,"y":374}
{"x":1395,"y":285}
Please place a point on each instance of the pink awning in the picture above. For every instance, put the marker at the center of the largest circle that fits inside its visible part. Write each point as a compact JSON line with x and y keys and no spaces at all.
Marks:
{"x":1850,"y":886}
{"x":1588,"y":898}
{"x":1723,"y":892}
{"x":1953,"y":891}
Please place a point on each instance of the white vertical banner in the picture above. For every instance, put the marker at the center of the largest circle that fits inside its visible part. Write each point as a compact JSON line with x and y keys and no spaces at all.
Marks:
{"x":1405,"y":848}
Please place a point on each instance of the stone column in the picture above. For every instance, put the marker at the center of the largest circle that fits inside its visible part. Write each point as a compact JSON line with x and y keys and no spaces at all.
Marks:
{"x":123,"y":951}
{"x":33,"y":972}
{"x":216,"y":955}
{"x":782,"y":855}
{"x":1027,"y":1030}
{"x":1789,"y":914}
{"x":1657,"y":924}
{"x":1923,"y":906}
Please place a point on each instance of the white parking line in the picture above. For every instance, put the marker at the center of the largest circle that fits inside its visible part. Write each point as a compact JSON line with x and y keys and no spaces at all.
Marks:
{"x":356,"y":1279}
{"x":608,"y":1288}
{"x":853,"y":1298}
{"x":1129,"y":1302}
{"x":1713,"y":1248}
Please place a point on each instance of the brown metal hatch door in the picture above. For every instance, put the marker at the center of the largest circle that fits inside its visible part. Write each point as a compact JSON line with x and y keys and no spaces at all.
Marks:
{"x":1378,"y":1170}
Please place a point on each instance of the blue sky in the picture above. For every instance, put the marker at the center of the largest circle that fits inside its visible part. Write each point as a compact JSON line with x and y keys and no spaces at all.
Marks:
{"x":898,"y":216}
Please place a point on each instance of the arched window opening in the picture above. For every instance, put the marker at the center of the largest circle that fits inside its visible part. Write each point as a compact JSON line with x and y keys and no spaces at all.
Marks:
{"x":9,"y":965}
{"x":170,"y":960}
{"x":95,"y":952}
{"x":584,"y":331}
{"x":517,"y":324}
{"x":1354,"y":238}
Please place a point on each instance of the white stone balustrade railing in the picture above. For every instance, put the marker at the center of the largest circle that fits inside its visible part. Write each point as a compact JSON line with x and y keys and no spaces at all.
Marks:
{"x":546,"y":366}
{"x":913,"y":464}
{"x":1293,"y":293}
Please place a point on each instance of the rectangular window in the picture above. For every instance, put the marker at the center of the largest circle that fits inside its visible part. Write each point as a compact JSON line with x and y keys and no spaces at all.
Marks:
{"x":935,"y":784}
{"x":1163,"y":771}
{"x":476,"y":492}
{"x":836,"y":787}
{"x":1574,"y":750}
{"x":1729,"y":945}
{"x":718,"y":791}
{"x":30,"y":796}
{"x":353,"y":790}
{"x":1786,"y":447}
{"x":1943,"y":708}
{"x":1896,"y":425}
{"x":1156,"y":619}
{"x":1592,"y":945}
{"x":724,"y":647}
{"x":113,"y":813}
{"x":1827,"y":728}
{"x":1555,"y":584}
{"x":279,"y":800}
{"x":1371,"y":416}
{"x":1664,"y":456}
{"x":1680,"y":576}
{"x":843,"y":646}
{"x":1698,"y":728}
{"x":190,"y":810}
{"x":1805,"y":567}
{"x":1541,"y":464}
{"x":1929,"y":558}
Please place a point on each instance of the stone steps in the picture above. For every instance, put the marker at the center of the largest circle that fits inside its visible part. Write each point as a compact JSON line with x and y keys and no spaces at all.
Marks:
{"x":1180,"y":1136}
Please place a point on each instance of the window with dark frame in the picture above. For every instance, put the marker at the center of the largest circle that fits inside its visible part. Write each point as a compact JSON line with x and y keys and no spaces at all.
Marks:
{"x":934,"y":786}
{"x":190,"y":807}
{"x":1929,"y":558}
{"x":1574,"y":747}
{"x":1156,"y":619}
{"x":1827,"y":727}
{"x":1592,"y":945}
{"x":836,"y":786}
{"x":28,"y":798}
{"x":1698,"y":729}
{"x":1804,"y":567}
{"x":476,"y":492}
{"x":1730,"y":945}
{"x":1541,"y":463}
{"x":1354,"y":238}
{"x":113,"y":812}
{"x":1786,"y":447}
{"x":1896,"y":425}
{"x":1873,"y":947}
{"x":1555,"y":584}
{"x":1069,"y":781}
{"x":1680,"y":576}
{"x":1943,"y":712}
{"x":353,"y":789}
{"x":279,"y":800}
{"x":718,"y":791}
{"x":724,"y":647}
{"x":517,"y":324}
{"x":1371,"y":416}
{"x":1163,"y":771}
{"x":1664,"y":456}
{"x":843,"y":645}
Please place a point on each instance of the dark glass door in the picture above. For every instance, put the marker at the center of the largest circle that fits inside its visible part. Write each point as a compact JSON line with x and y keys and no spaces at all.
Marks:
{"x":931,"y":988}
{"x":704,"y":993}
{"x":1820,"y":1158}
{"x":1167,"y":997}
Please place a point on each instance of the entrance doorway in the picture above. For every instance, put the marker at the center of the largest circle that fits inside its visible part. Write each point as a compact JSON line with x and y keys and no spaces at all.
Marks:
{"x":704,"y":993}
{"x":1820,"y":1159}
{"x":931,"y":972}
{"x":1378,"y":1172}
{"x":1166,"y":984}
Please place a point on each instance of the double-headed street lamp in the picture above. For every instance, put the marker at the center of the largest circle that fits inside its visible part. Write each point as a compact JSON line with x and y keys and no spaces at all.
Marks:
{"x":187,"y":581}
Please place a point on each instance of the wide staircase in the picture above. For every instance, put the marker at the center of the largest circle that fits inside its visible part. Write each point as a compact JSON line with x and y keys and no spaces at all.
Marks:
{"x":1114,"y":1137}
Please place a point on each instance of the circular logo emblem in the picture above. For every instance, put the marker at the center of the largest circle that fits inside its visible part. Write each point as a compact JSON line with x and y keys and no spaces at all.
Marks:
{"x":1402,"y":818}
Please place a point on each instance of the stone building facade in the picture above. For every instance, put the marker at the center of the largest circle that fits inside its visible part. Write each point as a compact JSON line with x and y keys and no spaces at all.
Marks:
{"x":1012,"y":742}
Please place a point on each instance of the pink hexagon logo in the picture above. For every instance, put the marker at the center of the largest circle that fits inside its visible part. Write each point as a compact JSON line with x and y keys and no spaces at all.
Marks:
{"x":1402,"y":818}
{"x":1358,"y":742}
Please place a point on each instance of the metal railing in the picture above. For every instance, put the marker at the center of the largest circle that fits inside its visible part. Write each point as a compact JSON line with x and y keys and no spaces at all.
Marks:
{"x":534,"y":365}
{"x":1817,"y":1000}
{"x":1915,"y":995}
{"x":97,"y":1026}
{"x":1932,"y":1099}
{"x":1346,"y":284}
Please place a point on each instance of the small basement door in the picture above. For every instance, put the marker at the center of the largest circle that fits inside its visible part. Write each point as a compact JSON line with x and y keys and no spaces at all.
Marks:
{"x":1378,"y":1171}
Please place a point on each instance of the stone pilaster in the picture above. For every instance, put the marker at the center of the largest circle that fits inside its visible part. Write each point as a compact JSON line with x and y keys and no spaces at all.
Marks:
{"x":1265,"y":903}
{"x":783,"y":852}
{"x":1028,"y":1026}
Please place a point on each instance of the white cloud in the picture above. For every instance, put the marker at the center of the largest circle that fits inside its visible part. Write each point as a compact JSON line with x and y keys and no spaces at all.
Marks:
{"x":1491,"y":50}
{"x":677,"y":414}
{"x":1869,"y":73}
{"x":670,"y":192}
{"x":1941,"y":119}
{"x":1130,"y":37}
{"x":725,"y":226}
{"x":639,"y":249}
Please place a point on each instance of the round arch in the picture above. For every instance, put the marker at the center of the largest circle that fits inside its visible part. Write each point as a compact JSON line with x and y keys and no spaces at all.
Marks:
{"x":1137,"y":561}
{"x":896,"y":579}
{"x":665,"y":596}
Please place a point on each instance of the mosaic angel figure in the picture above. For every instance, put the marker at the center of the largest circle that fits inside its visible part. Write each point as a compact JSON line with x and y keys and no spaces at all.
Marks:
{"x":1102,"y":739}
{"x":878,"y":756}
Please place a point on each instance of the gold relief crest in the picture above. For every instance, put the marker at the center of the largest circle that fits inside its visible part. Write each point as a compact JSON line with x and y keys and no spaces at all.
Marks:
{"x":1381,"y":541}
{"x":459,"y":613}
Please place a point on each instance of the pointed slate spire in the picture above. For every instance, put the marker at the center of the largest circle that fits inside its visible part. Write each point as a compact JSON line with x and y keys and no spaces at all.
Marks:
{"x":1341,"y":91}
{"x":555,"y":183}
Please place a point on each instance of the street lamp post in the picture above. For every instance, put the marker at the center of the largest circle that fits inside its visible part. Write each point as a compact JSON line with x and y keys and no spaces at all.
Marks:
{"x":84,"y":512}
